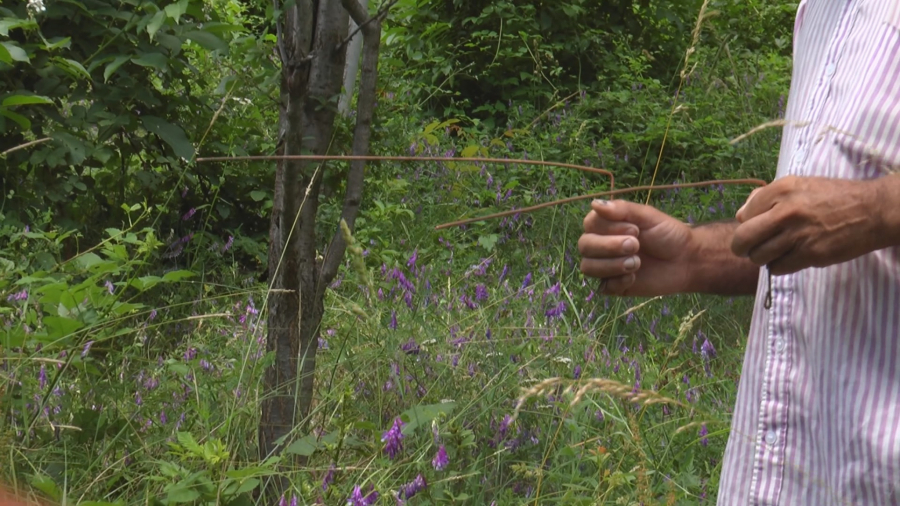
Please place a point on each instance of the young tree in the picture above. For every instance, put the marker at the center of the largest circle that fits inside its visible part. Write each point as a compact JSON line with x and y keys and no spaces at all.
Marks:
{"x":312,"y":43}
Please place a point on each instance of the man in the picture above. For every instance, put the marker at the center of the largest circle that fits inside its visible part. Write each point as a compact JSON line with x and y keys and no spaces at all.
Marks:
{"x":817,"y":420}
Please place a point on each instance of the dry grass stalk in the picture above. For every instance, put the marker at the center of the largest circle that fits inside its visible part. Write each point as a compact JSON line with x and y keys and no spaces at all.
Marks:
{"x":610,"y":387}
{"x":767,"y":124}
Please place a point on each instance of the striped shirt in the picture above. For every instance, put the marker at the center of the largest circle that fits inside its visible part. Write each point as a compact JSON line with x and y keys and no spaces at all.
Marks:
{"x":817,"y":419}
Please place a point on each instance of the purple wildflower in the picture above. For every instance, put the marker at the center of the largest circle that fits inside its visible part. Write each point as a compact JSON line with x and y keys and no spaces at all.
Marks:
{"x":86,"y":349}
{"x":412,"y":488}
{"x":358,"y":499}
{"x":703,"y":433}
{"x":556,"y":311}
{"x":440,"y":460}
{"x":328,"y":479}
{"x":393,"y":324}
{"x":410,"y":347}
{"x":42,"y":377}
{"x":188,"y":215}
{"x":481,"y":292}
{"x":393,"y":439}
{"x":527,"y":281}
{"x":577,"y":372}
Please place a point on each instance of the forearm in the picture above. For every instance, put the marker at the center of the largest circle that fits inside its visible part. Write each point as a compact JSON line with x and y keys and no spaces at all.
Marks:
{"x":715,"y":269}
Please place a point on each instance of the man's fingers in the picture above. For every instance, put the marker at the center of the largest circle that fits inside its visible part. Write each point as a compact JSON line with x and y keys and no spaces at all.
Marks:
{"x":618,"y":285}
{"x":754,"y":233}
{"x":607,"y":246}
{"x":771,"y":250}
{"x":640,"y":215}
{"x":596,"y":224}
{"x":610,"y":267}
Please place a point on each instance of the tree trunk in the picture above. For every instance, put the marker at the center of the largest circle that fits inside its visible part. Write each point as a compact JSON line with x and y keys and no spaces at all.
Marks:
{"x":307,"y":122}
{"x":299,"y":280}
{"x":354,"y":49}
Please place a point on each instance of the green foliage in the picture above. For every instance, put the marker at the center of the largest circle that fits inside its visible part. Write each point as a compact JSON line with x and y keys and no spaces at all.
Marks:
{"x":132,"y":336}
{"x":125,"y":96}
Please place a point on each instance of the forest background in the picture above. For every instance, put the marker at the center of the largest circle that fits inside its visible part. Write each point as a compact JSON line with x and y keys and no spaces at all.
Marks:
{"x":468,"y":365}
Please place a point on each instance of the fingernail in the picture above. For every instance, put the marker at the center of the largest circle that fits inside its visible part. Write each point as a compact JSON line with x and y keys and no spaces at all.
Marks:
{"x":601,"y":202}
{"x":629,"y":246}
{"x":630,"y":263}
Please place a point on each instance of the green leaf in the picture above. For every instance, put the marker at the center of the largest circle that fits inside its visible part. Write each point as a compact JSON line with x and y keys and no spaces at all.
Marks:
{"x":304,"y":446}
{"x":7,"y":24}
{"x":176,"y":9}
{"x":23,"y":122}
{"x":186,"y":439}
{"x":177,"y":275}
{"x":258,"y":195}
{"x":171,"y":134}
{"x":76,"y":148}
{"x":15,"y":52}
{"x":25,"y":100}
{"x":61,"y":327}
{"x":156,"y":23}
{"x":207,"y":40}
{"x":73,"y":67}
{"x":46,"y":485}
{"x":155,"y":60}
{"x":424,"y":414}
{"x":488,"y":241}
{"x":113,"y":66}
{"x":5,"y":57}
{"x":182,"y":492}
{"x":63,"y":42}
{"x":145,"y":282}
{"x":88,"y":260}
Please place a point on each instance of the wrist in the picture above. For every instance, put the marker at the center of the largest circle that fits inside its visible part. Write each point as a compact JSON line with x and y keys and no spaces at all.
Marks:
{"x":886,"y":222}
{"x":712,"y":268}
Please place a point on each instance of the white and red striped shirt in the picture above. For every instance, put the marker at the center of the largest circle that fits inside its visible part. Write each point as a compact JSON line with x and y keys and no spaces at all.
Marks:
{"x":817,"y":419}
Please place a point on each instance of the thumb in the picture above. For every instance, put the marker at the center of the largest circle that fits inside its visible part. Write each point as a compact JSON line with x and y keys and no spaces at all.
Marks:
{"x":624,"y":211}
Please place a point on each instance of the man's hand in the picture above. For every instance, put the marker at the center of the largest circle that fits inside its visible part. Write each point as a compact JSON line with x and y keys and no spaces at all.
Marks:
{"x":636,"y":249}
{"x":800,"y":222}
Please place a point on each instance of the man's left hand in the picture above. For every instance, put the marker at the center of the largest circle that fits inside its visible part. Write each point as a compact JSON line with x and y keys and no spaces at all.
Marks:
{"x":800,"y":222}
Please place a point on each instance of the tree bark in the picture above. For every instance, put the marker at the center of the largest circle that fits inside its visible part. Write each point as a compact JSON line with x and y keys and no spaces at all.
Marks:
{"x":354,"y":49}
{"x":310,"y":87}
{"x":365,"y":111}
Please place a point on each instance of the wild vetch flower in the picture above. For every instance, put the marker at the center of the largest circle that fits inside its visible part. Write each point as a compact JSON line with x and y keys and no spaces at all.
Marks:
{"x":109,"y":287}
{"x":42,"y":377}
{"x":553,"y":290}
{"x":86,"y":349}
{"x":703,"y":433}
{"x":503,"y":273}
{"x":163,"y":418}
{"x":228,"y":244}
{"x":410,"y":347}
{"x":411,"y":263}
{"x":412,"y":488}
{"x":577,"y":372}
{"x":556,"y":311}
{"x":328,"y":479}
{"x":481,"y":292}
{"x":323,"y":344}
{"x":526,"y":282}
{"x":393,"y":439}
{"x":393,"y":324}
{"x":440,"y":460}
{"x":188,"y":215}
{"x":358,"y":499}
{"x":190,"y":353}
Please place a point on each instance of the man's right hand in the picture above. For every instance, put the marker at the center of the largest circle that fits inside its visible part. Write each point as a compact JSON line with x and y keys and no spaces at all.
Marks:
{"x":639,"y":250}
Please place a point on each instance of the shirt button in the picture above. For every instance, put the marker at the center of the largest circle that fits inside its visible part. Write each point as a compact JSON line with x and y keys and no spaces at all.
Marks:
{"x":779,"y":344}
{"x":829,"y":69}
{"x":771,"y":437}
